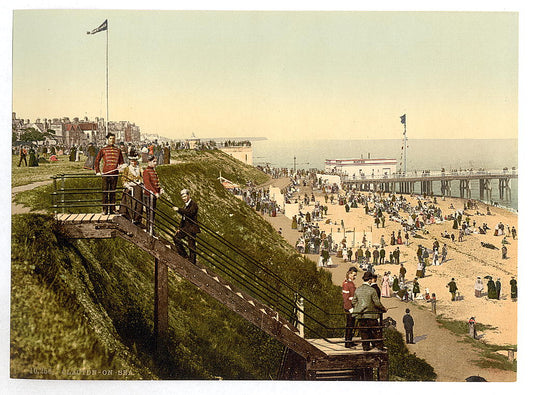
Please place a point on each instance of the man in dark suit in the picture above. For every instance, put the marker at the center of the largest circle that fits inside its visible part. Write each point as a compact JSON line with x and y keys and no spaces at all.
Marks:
{"x":366,"y":308}
{"x":408,"y":324}
{"x":188,"y":227}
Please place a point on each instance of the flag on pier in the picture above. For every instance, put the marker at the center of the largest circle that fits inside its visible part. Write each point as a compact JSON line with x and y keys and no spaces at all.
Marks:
{"x":100,"y":28}
{"x":402,"y":118}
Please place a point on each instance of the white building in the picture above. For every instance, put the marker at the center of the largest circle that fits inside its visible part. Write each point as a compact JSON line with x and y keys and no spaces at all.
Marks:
{"x":362,"y":167}
{"x":242,"y":153}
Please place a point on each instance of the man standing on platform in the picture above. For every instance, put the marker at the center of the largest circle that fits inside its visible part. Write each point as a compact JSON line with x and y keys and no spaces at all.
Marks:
{"x":188,"y":227}
{"x":112,"y":157}
{"x":348,"y":290}
{"x":366,"y":308}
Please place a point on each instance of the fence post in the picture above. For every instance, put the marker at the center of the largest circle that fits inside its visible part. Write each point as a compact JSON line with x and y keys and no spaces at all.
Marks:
{"x":300,"y":324}
{"x":54,"y":198}
{"x":63,"y":193}
{"x":160,"y":303}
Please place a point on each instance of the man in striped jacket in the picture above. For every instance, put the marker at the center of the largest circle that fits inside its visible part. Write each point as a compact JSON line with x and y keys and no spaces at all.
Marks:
{"x":113,"y":160}
{"x":152,"y":190}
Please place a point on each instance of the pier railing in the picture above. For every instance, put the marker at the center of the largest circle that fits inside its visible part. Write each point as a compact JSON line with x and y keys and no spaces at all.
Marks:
{"x":437,"y":175}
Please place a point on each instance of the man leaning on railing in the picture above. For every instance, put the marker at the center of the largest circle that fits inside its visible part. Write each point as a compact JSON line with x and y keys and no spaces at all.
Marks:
{"x":152,"y":190}
{"x":188,"y":226}
{"x":366,"y":309}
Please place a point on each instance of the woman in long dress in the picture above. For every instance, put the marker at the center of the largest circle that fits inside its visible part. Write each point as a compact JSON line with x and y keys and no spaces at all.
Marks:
{"x":420,"y":269}
{"x":416,"y":288}
{"x":345,"y":254}
{"x":435,"y":258}
{"x":395,"y":284}
{"x":478,"y":287}
{"x":385,"y":286}
{"x":32,"y":161}
{"x":131,"y":205}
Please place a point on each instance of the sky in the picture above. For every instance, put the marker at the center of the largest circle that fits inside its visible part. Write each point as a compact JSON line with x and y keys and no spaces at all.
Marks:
{"x":319,"y":75}
{"x":276,"y":74}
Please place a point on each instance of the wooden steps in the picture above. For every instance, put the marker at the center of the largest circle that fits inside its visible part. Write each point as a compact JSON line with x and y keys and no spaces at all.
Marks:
{"x":313,"y":359}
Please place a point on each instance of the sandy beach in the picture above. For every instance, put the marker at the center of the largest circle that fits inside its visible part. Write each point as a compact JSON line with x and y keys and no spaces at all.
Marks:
{"x":466,"y":260}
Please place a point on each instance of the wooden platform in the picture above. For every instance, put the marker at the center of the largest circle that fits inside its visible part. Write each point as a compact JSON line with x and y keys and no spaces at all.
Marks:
{"x":336,"y":347}
{"x":88,"y":226}
{"x":85,"y":218}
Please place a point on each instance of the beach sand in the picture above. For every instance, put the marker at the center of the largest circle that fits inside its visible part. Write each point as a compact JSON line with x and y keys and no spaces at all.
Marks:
{"x":466,"y":260}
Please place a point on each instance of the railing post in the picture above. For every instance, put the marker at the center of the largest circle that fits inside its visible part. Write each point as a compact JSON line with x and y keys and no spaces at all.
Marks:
{"x":63,"y":193}
{"x":300,"y":314}
{"x":54,"y":198}
{"x":160,"y":303}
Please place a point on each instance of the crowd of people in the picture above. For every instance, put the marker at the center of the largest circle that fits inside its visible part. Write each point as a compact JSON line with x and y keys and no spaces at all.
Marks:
{"x":414,"y":220}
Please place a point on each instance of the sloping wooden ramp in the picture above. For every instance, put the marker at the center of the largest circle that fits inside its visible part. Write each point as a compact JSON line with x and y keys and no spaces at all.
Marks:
{"x":312,"y":359}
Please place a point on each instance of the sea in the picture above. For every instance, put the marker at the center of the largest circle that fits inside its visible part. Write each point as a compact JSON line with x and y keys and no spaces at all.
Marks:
{"x":422,"y":154}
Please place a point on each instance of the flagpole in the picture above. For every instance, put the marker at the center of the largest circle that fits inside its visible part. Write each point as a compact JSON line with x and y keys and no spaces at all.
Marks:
{"x":107,"y":77}
{"x":405,"y":147}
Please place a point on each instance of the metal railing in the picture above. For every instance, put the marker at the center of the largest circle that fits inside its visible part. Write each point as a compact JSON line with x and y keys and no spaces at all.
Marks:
{"x":82,"y":193}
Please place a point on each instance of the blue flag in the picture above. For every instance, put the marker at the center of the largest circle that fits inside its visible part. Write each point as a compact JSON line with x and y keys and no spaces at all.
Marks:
{"x":402,"y":118}
{"x":100,"y":28}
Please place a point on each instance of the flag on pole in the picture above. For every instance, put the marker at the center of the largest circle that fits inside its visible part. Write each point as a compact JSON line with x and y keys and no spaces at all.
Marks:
{"x":402,"y":118}
{"x":100,"y":28}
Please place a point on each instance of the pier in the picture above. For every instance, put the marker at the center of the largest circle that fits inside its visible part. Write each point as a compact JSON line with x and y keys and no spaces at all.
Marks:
{"x":425,"y":183}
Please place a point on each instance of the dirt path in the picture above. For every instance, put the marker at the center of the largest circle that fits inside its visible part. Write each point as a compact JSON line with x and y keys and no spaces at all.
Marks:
{"x":451,"y":358}
{"x":20,"y":209}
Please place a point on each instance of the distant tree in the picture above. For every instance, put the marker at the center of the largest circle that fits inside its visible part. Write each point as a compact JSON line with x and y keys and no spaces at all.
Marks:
{"x":30,"y":134}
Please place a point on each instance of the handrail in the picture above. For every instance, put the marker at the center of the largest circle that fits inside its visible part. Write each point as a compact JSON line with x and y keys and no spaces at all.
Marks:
{"x":165,"y":225}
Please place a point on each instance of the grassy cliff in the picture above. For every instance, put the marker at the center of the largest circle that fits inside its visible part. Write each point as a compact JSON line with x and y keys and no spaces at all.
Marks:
{"x":83,"y":309}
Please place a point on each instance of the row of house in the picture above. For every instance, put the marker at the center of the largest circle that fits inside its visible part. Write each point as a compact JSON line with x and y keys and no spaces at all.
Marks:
{"x":66,"y":132}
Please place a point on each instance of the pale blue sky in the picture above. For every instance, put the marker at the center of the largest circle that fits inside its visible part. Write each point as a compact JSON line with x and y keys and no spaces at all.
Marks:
{"x":275,"y":74}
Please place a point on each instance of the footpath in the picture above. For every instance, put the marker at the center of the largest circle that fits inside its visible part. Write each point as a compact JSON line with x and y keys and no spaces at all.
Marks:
{"x":452,"y":359}
{"x":20,"y":209}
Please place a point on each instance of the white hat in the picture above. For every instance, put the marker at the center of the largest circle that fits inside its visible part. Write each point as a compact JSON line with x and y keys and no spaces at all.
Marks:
{"x":185,"y":192}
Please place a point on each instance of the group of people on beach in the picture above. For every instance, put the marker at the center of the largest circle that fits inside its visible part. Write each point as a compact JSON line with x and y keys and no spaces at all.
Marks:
{"x":414,"y":220}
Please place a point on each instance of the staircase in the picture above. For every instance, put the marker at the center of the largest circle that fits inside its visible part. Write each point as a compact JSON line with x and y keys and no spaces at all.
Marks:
{"x":305,"y":359}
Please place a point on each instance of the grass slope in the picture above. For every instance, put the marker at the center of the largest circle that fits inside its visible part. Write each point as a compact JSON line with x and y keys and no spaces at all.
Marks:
{"x":81,"y":306}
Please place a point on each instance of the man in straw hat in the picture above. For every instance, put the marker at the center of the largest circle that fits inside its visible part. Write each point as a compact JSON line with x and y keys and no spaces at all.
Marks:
{"x":366,"y":309}
{"x":131,"y":205}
